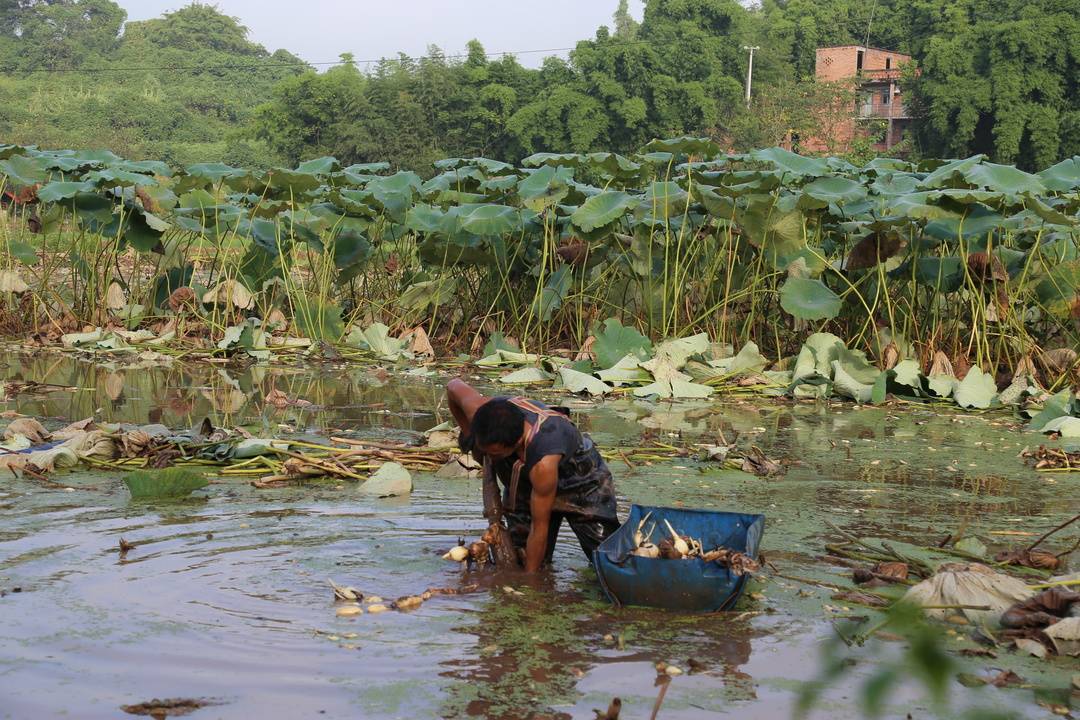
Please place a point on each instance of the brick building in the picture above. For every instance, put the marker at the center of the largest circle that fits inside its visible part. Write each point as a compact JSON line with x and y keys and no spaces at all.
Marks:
{"x":880,"y":103}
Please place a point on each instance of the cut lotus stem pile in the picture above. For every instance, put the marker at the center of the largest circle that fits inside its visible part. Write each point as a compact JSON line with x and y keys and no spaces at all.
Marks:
{"x":684,"y":547}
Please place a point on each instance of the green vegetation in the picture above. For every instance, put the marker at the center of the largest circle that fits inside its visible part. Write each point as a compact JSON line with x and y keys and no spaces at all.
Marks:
{"x":997,"y":79}
{"x":924,"y":271}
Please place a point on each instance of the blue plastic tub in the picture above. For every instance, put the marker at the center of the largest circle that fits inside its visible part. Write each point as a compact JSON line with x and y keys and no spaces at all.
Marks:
{"x":688,"y":585}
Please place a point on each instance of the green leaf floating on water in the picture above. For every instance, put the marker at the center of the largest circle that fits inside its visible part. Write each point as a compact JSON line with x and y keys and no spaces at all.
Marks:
{"x":615,"y":342}
{"x":1067,"y":427}
{"x":526,"y":376}
{"x":627,"y":370}
{"x":168,"y":483}
{"x":1060,"y":405}
{"x":976,"y":390}
{"x":809,"y":299}
{"x":577,"y":382}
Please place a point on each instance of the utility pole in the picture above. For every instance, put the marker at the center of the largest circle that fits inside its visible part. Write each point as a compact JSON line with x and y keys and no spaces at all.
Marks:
{"x":750,"y":70}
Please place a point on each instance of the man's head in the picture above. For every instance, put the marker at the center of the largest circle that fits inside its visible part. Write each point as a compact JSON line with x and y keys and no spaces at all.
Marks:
{"x":497,"y":427}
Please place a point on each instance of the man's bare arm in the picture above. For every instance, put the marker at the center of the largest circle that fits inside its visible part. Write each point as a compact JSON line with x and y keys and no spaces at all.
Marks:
{"x":544,"y":478}
{"x":463,"y":400}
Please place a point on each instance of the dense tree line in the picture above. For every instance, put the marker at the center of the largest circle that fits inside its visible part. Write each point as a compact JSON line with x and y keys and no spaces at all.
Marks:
{"x":996,"y":77}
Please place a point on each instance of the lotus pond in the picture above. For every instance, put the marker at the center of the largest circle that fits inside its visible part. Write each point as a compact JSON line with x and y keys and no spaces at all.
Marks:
{"x":225,"y":598}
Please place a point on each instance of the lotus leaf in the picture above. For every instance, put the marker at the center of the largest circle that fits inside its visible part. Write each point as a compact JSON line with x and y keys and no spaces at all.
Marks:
{"x":526,"y":376}
{"x":809,"y":299}
{"x":976,"y":390}
{"x":615,"y":342}
{"x":577,"y":382}
{"x":602,"y":210}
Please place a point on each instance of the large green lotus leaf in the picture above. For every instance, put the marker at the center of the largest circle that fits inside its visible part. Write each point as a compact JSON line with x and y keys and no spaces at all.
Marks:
{"x":944,"y":274}
{"x":428,"y":293}
{"x":319,"y":320}
{"x":791,"y":163}
{"x":611,"y":164}
{"x":603,"y":209}
{"x":463,"y":179}
{"x":57,"y":191}
{"x":832,"y":190}
{"x":425,"y":219}
{"x":718,"y":205}
{"x":92,"y":209}
{"x":554,"y":292}
{"x":546,"y":158}
{"x":492,"y":220}
{"x":1059,"y":405}
{"x":1059,"y":290}
{"x":847,"y":385}
{"x":320,"y":166}
{"x":702,"y":147}
{"x":545,"y":187}
{"x":264,"y":233}
{"x":976,"y":390}
{"x":23,"y":171}
{"x":355,"y":202}
{"x":951,"y":173}
{"x":578,"y":382}
{"x":979,"y":222}
{"x":368,"y":168}
{"x":809,"y":299}
{"x":658,"y":159}
{"x":1003,"y":178}
{"x":894,"y":184}
{"x":526,"y":376}
{"x":1067,"y":427}
{"x":920,"y":206}
{"x":143,"y":231}
{"x":627,"y":370}
{"x":291,"y":184}
{"x":665,"y":199}
{"x":395,"y":193}
{"x":1049,"y":213}
{"x":778,"y":232}
{"x":117,"y":178}
{"x":213,"y":172}
{"x":257,"y":265}
{"x":351,"y":250}
{"x":1063,"y":177}
{"x":616,"y":341}
{"x":147,"y":167}
{"x":24,"y":253}
{"x":501,"y":184}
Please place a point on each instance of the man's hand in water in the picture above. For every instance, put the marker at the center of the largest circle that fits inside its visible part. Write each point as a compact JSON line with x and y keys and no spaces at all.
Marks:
{"x":544,"y":478}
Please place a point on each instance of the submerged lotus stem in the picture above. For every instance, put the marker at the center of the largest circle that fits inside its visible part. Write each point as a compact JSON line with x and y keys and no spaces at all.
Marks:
{"x":638,"y":537}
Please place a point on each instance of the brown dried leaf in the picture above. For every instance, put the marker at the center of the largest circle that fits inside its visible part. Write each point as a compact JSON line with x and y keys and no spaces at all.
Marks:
{"x":1038,"y":559}
{"x":941,"y":365}
{"x":896,"y":570}
{"x":860,"y":598}
{"x":421,"y":343}
{"x":29,"y":428}
{"x":181,"y":298}
{"x":278,"y":399}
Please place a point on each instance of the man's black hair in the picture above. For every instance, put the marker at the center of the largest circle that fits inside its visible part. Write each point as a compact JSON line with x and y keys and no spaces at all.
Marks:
{"x":498,"y":422}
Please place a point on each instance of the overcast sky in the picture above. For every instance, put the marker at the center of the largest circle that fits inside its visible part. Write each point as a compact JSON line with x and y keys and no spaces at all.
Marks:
{"x":320,"y":30}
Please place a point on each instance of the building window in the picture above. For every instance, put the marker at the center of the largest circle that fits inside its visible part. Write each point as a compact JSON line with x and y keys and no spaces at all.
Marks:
{"x":886,"y":97}
{"x":888,"y":63}
{"x":858,"y":60}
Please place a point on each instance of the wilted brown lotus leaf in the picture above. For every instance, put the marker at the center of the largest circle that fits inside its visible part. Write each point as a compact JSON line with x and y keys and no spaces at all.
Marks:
{"x":181,"y":298}
{"x":873,"y":249}
{"x":941,"y":365}
{"x":1038,"y":559}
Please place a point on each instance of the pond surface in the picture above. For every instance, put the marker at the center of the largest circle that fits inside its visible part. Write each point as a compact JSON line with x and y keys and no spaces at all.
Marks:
{"x":225,"y":597}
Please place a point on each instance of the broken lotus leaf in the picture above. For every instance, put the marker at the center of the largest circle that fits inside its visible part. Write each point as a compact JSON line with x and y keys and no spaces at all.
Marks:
{"x":976,"y":390}
{"x":679,"y":350}
{"x":748,"y":360}
{"x":12,"y":282}
{"x":626,"y":370}
{"x":577,"y":382}
{"x":378,"y":340}
{"x":1066,"y":427}
{"x":1065,"y":634}
{"x":507,"y":357}
{"x":229,"y":292}
{"x":973,"y":585}
{"x":390,"y":480}
{"x":526,"y":376}
{"x":971,"y":546}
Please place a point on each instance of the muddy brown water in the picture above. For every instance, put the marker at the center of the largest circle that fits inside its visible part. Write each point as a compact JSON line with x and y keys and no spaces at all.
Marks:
{"x":225,"y":596}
